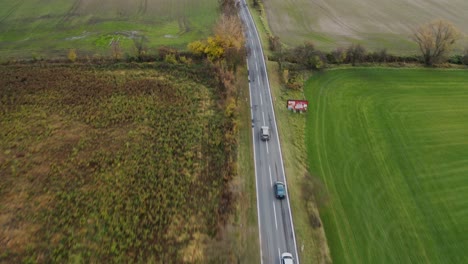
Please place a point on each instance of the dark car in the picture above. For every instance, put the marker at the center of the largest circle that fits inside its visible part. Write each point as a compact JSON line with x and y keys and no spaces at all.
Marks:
{"x":280,"y":190}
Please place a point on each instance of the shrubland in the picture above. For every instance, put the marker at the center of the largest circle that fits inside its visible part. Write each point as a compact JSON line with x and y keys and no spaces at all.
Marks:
{"x":117,"y":162}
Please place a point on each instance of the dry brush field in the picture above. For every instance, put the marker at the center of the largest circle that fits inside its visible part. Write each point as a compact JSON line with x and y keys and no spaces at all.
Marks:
{"x":112,"y":164}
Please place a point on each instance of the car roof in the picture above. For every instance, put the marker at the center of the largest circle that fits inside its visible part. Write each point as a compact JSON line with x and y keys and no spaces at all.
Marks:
{"x":287,"y":258}
{"x":265,"y":127}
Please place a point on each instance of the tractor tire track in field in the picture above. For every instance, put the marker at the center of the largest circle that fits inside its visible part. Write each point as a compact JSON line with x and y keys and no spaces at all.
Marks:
{"x":143,"y":7}
{"x":71,"y":12}
{"x":12,"y":10}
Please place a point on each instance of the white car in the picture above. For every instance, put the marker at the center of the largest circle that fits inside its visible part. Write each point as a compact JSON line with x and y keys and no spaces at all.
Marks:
{"x":287,"y":258}
{"x":265,"y":133}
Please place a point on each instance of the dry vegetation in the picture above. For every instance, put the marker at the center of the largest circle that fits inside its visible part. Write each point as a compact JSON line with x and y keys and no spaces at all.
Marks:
{"x":113,"y":163}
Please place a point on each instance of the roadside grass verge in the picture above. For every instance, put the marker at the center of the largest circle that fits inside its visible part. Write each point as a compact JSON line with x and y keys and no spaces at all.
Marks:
{"x":391,"y":148}
{"x":305,"y":191}
{"x":246,"y":220}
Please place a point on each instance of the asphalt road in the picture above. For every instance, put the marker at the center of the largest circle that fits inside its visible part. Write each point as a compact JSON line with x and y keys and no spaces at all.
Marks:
{"x":274,"y":216}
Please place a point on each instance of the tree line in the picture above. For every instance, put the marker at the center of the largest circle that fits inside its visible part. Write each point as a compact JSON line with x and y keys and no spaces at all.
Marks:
{"x":434,"y":40}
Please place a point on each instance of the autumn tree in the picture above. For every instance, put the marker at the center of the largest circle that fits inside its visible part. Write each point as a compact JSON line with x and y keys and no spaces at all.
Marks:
{"x":228,"y":7}
{"x":227,"y":44}
{"x":338,"y":55}
{"x":72,"y":55}
{"x":275,"y":43}
{"x":435,"y":40}
{"x":308,"y":56}
{"x":115,"y":49}
{"x":355,"y":53}
{"x":465,"y":57}
{"x":140,"y":46}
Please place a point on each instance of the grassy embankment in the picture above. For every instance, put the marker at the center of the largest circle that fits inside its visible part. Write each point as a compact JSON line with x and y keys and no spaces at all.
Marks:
{"x":31,"y":29}
{"x":391,"y":146}
{"x":116,"y":163}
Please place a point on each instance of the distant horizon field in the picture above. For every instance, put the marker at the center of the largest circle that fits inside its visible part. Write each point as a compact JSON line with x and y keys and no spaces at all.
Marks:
{"x":391,"y":146}
{"x":32,"y":29}
{"x":376,"y":24}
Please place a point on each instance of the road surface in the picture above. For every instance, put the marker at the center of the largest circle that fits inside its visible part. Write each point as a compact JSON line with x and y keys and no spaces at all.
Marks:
{"x":274,"y":216}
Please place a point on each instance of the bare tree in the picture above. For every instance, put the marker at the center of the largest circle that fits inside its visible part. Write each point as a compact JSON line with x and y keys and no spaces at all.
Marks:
{"x":465,"y":57}
{"x":355,"y":53}
{"x":435,"y":40}
{"x":140,"y":45}
{"x":115,"y":48}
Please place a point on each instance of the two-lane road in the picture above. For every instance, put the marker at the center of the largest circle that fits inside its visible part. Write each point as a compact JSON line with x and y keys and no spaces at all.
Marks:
{"x":274,"y":216}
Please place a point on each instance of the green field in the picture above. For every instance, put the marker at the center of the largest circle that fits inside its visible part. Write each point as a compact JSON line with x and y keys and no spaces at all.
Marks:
{"x":391,"y":146}
{"x":33,"y":28}
{"x":376,"y":24}
{"x":124,"y":163}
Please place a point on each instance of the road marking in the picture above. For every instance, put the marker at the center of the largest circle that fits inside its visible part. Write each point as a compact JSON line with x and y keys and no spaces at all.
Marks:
{"x":279,"y":254}
{"x":267,"y":149}
{"x":256,"y":65}
{"x":263,"y":116}
{"x":271,"y":180}
{"x":276,"y":221}
{"x":261,"y":99}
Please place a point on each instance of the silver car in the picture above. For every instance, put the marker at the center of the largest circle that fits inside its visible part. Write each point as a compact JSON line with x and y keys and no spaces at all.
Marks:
{"x":265,"y":133}
{"x":287,"y":258}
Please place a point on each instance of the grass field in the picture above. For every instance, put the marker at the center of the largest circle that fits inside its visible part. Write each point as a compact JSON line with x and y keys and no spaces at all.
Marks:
{"x":123,"y":163}
{"x":32,"y":28}
{"x":376,"y":24}
{"x":391,"y":146}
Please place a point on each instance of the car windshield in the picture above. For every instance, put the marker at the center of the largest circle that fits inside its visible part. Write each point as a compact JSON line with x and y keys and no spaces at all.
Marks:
{"x":280,"y":188}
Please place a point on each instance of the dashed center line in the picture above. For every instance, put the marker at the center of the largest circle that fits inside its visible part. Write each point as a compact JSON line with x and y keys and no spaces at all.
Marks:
{"x":276,"y":221}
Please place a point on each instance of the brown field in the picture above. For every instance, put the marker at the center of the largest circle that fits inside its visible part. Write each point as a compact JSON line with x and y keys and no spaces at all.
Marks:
{"x":376,"y":24}
{"x":123,"y":163}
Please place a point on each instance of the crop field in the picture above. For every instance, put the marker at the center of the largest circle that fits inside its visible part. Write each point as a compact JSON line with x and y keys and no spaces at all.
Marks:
{"x":114,"y":163}
{"x":391,"y":146}
{"x":31,"y":28}
{"x":376,"y":24}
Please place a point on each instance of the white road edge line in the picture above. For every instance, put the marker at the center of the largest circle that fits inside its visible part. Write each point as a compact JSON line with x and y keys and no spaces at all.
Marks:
{"x":261,"y":99}
{"x":279,"y":146}
{"x":271,"y":180}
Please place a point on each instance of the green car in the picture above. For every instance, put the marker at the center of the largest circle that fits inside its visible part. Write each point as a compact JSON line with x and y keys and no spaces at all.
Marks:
{"x":280,"y":190}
